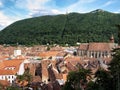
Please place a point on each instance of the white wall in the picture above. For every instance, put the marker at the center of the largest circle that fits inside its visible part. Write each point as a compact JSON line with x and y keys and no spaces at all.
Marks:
{"x":17,"y":52}
{"x":9,"y":78}
{"x":21,"y":69}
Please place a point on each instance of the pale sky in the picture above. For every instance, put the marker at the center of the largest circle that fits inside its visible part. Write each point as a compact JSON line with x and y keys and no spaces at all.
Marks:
{"x":13,"y":10}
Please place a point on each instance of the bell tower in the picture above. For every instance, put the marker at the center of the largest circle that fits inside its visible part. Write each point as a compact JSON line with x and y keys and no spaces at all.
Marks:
{"x":112,"y":39}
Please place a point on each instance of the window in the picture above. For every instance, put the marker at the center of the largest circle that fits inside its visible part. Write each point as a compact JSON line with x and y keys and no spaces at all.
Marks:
{"x":92,"y":54}
{"x":89,"y":53}
{"x":9,"y":77}
{"x":12,"y":81}
{"x":102,"y":54}
{"x":106,"y":53}
{"x":99,"y":54}
{"x":95,"y":54}
{"x":81,"y":53}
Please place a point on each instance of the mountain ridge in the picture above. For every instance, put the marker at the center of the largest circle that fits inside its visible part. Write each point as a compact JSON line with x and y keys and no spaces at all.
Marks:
{"x":95,"y":26}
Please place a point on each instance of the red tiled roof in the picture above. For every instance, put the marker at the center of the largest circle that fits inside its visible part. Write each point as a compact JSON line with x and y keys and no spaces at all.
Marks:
{"x":74,"y":60}
{"x":48,"y":53}
{"x":45,"y":64}
{"x":2,"y":65}
{"x":36,"y":79}
{"x":8,"y":64}
{"x":83,"y":46}
{"x":11,"y":63}
{"x":4,"y":83}
{"x":71,"y":67}
{"x":7,"y":72}
{"x":99,"y":47}
{"x":95,"y":46}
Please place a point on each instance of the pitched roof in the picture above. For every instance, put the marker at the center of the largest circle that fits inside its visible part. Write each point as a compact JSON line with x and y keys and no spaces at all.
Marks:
{"x":95,"y":46}
{"x":11,"y":63}
{"x":45,"y":64}
{"x":99,"y":47}
{"x":74,"y":60}
{"x":71,"y":67}
{"x":36,"y":79}
{"x":83,"y":46}
{"x":8,"y":64}
{"x":48,"y":54}
{"x":4,"y":83}
{"x":7,"y":72}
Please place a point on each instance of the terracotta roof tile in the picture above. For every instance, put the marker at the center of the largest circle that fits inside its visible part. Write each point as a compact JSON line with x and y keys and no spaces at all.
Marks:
{"x":99,"y":47}
{"x":48,"y":53}
{"x":71,"y":67}
{"x":37,"y":79}
{"x":74,"y":60}
{"x":7,"y":72}
{"x":83,"y":46}
{"x":95,"y":46}
{"x":4,"y":83}
{"x":9,"y":64}
{"x":2,"y":65}
{"x":45,"y":64}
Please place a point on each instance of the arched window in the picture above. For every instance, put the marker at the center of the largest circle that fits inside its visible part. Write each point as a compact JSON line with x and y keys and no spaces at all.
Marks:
{"x":92,"y":54}
{"x":99,"y":55}
{"x":95,"y":54}
{"x":106,"y":53}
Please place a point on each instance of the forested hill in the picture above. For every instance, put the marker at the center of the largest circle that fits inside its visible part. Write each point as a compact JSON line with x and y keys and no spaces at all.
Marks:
{"x":95,"y":26}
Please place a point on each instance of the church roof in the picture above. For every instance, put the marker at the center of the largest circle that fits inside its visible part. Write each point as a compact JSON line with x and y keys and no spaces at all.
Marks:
{"x":99,"y":47}
{"x":96,"y":46}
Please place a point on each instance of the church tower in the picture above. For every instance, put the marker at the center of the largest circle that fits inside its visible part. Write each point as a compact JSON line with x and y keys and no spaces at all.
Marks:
{"x":112,"y":39}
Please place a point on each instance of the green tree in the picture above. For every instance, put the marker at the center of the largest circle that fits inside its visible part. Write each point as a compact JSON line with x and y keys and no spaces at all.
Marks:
{"x":115,"y":69}
{"x":118,"y":26}
{"x":67,"y":86}
{"x":78,"y":79}
{"x":26,"y":76}
{"x":92,"y":86}
{"x":103,"y":80}
{"x":13,"y":88}
{"x":62,"y":29}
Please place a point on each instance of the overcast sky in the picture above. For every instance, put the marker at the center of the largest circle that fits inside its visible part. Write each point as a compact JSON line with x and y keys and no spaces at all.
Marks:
{"x":13,"y":10}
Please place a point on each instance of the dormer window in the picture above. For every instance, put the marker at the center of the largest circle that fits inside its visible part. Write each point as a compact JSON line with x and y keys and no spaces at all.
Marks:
{"x":9,"y":68}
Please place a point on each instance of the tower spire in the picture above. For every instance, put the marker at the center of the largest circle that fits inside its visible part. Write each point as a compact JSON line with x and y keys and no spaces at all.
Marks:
{"x":112,"y":39}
